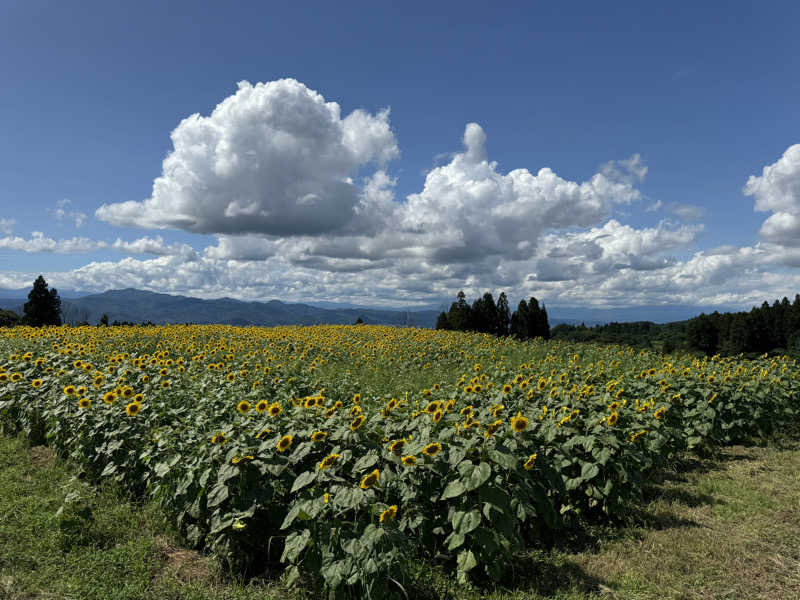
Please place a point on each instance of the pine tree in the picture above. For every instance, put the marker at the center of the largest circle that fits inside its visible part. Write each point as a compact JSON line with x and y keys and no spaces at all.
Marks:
{"x":503,"y":315}
{"x":460,"y":314}
{"x":519,"y":321}
{"x":442,"y":322}
{"x":43,"y":306}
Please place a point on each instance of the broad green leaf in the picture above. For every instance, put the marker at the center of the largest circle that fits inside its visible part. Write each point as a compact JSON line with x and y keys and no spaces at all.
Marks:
{"x":454,"y":488}
{"x":303,"y":480}
{"x":217,"y":495}
{"x":464,"y":522}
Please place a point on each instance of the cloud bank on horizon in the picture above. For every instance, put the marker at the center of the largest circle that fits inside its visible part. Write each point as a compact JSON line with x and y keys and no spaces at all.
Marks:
{"x":302,"y":204}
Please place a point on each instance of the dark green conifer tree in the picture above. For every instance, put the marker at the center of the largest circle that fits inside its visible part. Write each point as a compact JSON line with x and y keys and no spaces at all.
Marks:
{"x":43,"y":306}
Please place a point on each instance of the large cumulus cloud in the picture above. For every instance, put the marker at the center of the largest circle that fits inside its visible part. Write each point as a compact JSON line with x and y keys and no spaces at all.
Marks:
{"x":273,"y":158}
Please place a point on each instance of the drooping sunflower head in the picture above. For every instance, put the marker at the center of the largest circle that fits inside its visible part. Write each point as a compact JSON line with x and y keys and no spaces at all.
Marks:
{"x":396,"y":447}
{"x":369,"y":480}
{"x":432,"y":449}
{"x":437,"y":416}
{"x":319,"y":436}
{"x":530,"y":462}
{"x":284,"y":443}
{"x":492,"y":428}
{"x":389,"y":514}
{"x":357,"y":422}
{"x":328,"y":461}
{"x":243,"y":407}
{"x":519,"y":423}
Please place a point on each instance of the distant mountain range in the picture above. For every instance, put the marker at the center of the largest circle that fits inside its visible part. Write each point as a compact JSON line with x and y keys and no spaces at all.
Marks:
{"x":137,"y":306}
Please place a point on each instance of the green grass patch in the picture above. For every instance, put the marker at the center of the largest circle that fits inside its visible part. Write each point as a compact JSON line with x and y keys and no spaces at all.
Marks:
{"x":99,"y":546}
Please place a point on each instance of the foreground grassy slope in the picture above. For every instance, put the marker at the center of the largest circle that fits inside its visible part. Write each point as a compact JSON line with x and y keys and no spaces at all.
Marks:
{"x":727,"y":527}
{"x":121,"y":551}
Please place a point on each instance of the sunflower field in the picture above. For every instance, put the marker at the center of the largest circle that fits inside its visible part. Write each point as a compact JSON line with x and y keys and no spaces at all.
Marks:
{"x":341,"y":451}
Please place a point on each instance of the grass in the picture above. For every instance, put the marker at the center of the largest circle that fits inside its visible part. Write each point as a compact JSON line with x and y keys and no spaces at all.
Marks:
{"x":724,"y":527}
{"x":118,"y":550}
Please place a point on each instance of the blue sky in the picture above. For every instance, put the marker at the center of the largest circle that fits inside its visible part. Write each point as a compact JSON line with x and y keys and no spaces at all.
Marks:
{"x":650,"y":121}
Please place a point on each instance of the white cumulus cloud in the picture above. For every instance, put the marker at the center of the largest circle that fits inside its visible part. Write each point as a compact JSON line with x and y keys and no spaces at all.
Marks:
{"x":274,"y":158}
{"x":777,"y":190}
{"x":39,"y":242}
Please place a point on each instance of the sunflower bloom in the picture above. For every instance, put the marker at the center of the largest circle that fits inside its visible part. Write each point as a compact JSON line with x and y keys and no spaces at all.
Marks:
{"x":328,"y":461}
{"x":388,"y":514}
{"x":519,"y":423}
{"x":262,"y":406}
{"x":529,"y":463}
{"x":357,"y":422}
{"x":319,"y":436}
{"x":396,"y":447}
{"x":432,"y":449}
{"x":36,"y":383}
{"x":410,"y":460}
{"x":133,"y":409}
{"x":243,"y":407}
{"x":613,"y":418}
{"x":369,"y":480}
{"x":84,"y":403}
{"x":284,"y":443}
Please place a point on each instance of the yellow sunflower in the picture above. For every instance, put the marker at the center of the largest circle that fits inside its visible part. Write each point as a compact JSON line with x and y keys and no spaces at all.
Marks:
{"x":519,"y":423}
{"x":328,"y":461}
{"x":284,"y":443}
{"x":369,"y":480}
{"x":388,"y":514}
{"x":432,"y":449}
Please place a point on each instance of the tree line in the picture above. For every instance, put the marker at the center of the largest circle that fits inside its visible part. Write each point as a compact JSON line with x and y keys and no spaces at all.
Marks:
{"x":768,"y":328}
{"x":487,"y":316}
{"x":764,"y":329}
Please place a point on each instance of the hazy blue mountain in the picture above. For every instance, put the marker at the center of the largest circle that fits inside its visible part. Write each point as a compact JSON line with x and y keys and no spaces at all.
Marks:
{"x":138,"y":306}
{"x":631,"y":314}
